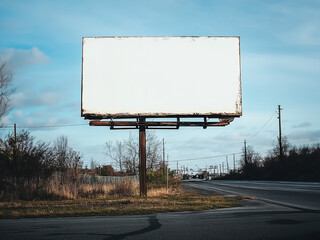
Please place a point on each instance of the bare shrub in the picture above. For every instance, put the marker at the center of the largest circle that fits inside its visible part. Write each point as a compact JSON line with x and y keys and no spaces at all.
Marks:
{"x":126,"y":153}
{"x":94,"y":191}
{"x":68,"y":190}
{"x":125,"y":188}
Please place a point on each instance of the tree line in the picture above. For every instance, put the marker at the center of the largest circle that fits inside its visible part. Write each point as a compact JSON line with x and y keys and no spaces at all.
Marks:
{"x":295,"y":163}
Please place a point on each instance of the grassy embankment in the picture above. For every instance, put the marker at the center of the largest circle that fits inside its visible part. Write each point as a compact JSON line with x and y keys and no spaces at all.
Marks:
{"x":158,"y":201}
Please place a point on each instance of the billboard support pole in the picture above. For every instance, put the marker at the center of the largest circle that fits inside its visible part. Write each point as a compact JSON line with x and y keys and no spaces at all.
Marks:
{"x":142,"y":158}
{"x":142,"y":124}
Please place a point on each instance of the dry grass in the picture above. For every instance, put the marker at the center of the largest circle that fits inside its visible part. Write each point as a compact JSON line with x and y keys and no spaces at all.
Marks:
{"x":158,"y":201}
{"x":125,"y":188}
{"x":52,"y":189}
{"x":119,"y":199}
{"x":155,"y":192}
{"x":55,"y":191}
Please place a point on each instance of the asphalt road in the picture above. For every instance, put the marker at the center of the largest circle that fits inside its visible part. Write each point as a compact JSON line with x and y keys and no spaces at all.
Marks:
{"x":301,"y":195}
{"x":257,"y":220}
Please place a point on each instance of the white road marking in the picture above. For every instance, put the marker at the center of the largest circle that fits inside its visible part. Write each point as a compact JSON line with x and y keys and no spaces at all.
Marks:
{"x":282,"y":188}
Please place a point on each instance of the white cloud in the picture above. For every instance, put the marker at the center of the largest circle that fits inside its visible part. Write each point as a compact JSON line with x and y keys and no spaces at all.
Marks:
{"x":18,"y":99}
{"x":281,"y":62}
{"x":19,"y":114}
{"x":31,"y":99}
{"x":18,"y":58}
{"x":302,"y":23}
{"x":49,"y":98}
{"x":302,"y":125}
{"x":304,"y":137}
{"x":303,"y":34}
{"x":53,"y":121}
{"x":30,"y":121}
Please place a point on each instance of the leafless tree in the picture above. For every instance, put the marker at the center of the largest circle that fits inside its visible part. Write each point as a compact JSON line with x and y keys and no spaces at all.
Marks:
{"x":254,"y":161}
{"x":285,"y":147}
{"x":75,"y":162}
{"x":6,"y":88}
{"x":68,"y":163}
{"x":93,"y":164}
{"x":131,"y":161}
{"x":116,"y":152}
{"x":154,"y":151}
{"x":75,"y":167}
{"x":61,"y":153}
{"x":126,"y":153}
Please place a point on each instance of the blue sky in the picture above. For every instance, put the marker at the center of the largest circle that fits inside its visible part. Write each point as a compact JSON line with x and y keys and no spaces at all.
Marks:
{"x":280,"y":58}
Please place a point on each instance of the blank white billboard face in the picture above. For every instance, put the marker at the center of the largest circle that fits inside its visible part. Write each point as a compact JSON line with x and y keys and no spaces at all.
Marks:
{"x":161,"y":76}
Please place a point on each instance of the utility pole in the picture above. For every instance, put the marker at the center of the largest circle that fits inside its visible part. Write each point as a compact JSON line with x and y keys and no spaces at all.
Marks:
{"x":245,"y":158}
{"x":280,"y":140}
{"x":163,"y":155}
{"x":15,"y":133}
{"x":177,"y":168}
{"x":222,"y":168}
{"x":15,"y":142}
{"x":227,"y":164}
{"x":205,"y":174}
{"x":167,"y":172}
{"x":234,"y":162}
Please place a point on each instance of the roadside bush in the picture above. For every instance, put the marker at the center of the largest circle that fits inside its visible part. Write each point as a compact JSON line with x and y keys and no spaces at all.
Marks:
{"x":158,"y":178}
{"x":26,"y":166}
{"x":125,"y":188}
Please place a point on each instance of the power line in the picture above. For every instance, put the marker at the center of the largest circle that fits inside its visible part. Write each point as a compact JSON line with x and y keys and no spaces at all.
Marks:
{"x":216,"y":156}
{"x":6,"y":127}
{"x":252,"y":136}
{"x":46,"y":126}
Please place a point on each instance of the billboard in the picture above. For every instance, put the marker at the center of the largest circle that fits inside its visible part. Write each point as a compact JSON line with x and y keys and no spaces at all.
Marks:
{"x":129,"y":77}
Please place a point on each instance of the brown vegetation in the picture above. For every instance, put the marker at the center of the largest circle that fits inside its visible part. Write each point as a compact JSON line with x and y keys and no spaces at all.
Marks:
{"x":159,"y":201}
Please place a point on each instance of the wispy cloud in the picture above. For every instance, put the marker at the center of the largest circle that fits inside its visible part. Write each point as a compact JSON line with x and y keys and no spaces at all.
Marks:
{"x":305,"y":137}
{"x":283,"y":62}
{"x":300,"y":22}
{"x":24,"y":99}
{"x":302,"y":125}
{"x":306,"y":34}
{"x":18,"y":58}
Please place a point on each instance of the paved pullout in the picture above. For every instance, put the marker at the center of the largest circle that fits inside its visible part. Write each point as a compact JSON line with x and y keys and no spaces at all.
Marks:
{"x":257,"y":220}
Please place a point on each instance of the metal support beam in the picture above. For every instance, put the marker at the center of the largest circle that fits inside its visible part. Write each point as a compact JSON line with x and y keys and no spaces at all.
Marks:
{"x":156,"y":125}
